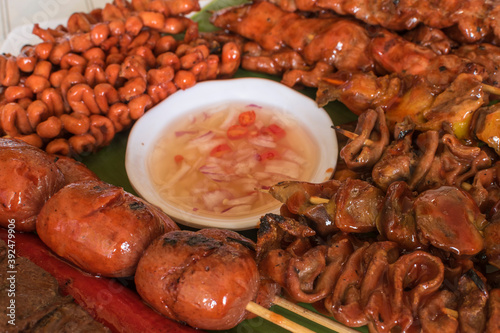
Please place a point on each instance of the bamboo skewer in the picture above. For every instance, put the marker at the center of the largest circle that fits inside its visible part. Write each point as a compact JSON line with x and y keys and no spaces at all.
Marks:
{"x":313,"y":316}
{"x":276,"y":318}
{"x":334,"y":82}
{"x":491,"y":89}
{"x":450,"y":312}
{"x":318,"y":200}
{"x":350,"y":135}
{"x":291,"y":325}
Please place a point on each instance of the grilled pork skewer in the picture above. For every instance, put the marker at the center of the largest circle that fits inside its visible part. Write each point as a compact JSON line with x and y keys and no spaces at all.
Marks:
{"x":346,"y":45}
{"x":466,"y":21}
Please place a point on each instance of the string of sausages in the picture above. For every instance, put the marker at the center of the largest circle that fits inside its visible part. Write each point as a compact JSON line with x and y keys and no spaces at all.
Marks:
{"x":86,"y":81}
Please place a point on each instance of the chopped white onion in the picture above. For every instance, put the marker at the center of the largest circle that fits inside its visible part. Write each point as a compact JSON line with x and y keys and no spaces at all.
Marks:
{"x":266,"y":141}
{"x":246,"y":184}
{"x":215,"y":198}
{"x":244,"y":154}
{"x":203,"y":137}
{"x":246,"y":166}
{"x":282,"y":167}
{"x":215,"y":173}
{"x":227,"y":163}
{"x":207,"y":146}
{"x":231,"y":119}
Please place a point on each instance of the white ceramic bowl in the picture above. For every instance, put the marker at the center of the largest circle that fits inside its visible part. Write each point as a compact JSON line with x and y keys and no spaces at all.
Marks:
{"x":151,"y":126}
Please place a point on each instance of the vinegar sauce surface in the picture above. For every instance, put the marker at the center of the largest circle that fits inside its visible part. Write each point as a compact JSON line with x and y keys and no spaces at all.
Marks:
{"x":219,"y":161}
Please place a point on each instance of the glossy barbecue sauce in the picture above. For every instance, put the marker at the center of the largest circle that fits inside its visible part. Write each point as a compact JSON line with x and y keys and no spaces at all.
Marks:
{"x":222,"y":159}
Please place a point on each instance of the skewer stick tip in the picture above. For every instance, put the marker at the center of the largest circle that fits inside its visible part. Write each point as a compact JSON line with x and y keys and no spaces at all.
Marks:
{"x":334,"y":82}
{"x":318,"y":200}
{"x":451,"y":312}
{"x":491,"y":89}
{"x":276,"y":318}
{"x":313,"y":316}
{"x":350,"y":135}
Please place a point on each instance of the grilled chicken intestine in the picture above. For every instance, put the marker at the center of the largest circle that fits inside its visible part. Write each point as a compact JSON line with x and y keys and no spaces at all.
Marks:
{"x":423,"y":158}
{"x":445,"y":217}
{"x":374,"y":283}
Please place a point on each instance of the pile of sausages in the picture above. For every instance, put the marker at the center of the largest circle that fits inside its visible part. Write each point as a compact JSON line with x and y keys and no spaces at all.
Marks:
{"x":88,"y":80}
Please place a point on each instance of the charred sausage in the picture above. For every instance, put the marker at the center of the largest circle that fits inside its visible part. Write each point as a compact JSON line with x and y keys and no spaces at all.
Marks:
{"x":28,"y":178}
{"x":100,"y":227}
{"x":204,"y":279}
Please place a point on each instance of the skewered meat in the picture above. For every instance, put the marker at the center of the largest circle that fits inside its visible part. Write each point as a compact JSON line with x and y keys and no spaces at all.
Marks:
{"x":445,"y":217}
{"x":374,"y":283}
{"x":354,"y":208}
{"x":357,"y":206}
{"x":455,"y":164}
{"x":485,"y":189}
{"x":359,"y":283}
{"x":434,"y":315}
{"x":449,"y":219}
{"x":436,"y":162}
{"x":362,"y":152}
{"x":383,"y":51}
{"x":28,"y":178}
{"x":441,"y":71}
{"x":451,"y":109}
{"x":396,"y":221}
{"x":472,"y":310}
{"x":297,"y":198}
{"x":493,"y":324}
{"x":485,"y":55}
{"x":100,"y":227}
{"x":492,"y":237}
{"x":339,"y":42}
{"x":467,"y":21}
{"x":486,"y":124}
{"x":397,"y":162}
{"x":203,"y":278}
{"x":432,"y":38}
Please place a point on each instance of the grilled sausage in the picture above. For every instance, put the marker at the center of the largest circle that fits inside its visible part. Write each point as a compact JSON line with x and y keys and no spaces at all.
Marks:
{"x":204,"y":278}
{"x":28,"y":178}
{"x":100,"y":228}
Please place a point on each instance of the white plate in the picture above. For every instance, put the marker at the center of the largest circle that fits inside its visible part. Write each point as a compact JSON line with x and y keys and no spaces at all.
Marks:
{"x":149,"y":128}
{"x":22,"y":35}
